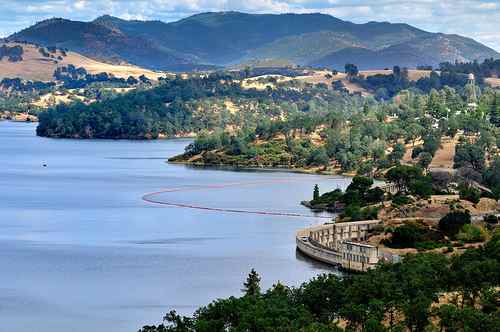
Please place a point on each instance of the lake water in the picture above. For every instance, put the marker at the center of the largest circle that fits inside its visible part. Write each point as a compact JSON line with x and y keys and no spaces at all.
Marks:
{"x":81,"y":251}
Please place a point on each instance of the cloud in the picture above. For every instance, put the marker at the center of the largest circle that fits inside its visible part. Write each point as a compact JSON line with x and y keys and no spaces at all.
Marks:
{"x":479,"y":19}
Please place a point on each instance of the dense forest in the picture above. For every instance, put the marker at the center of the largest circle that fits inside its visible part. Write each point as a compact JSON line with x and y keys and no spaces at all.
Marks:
{"x":360,"y":135}
{"x":176,"y":106}
{"x":424,"y":292}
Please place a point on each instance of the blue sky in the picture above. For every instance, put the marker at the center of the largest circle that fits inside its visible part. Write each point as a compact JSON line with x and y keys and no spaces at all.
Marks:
{"x":473,"y":18}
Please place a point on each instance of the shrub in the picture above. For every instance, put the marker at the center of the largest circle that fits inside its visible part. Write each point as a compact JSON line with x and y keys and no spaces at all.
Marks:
{"x":421,"y":187}
{"x":415,"y":236}
{"x":374,"y":195}
{"x":399,"y":200}
{"x":470,"y":233}
{"x":453,"y":222}
{"x":360,"y":183}
{"x":470,"y":194}
{"x":491,"y":219}
{"x":406,"y":236}
{"x":416,"y":152}
{"x":354,"y":212}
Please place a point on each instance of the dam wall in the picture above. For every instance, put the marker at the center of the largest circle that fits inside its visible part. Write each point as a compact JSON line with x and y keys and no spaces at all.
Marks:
{"x":340,"y":244}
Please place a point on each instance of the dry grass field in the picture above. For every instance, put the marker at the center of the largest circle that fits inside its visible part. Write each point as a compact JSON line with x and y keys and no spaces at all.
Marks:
{"x":315,"y":77}
{"x":413,"y":74}
{"x":493,"y":82}
{"x":36,"y":67}
{"x":443,"y":159}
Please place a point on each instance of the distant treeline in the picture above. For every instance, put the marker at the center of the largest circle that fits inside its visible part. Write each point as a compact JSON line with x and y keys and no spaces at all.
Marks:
{"x":13,"y":53}
{"x":488,"y":68}
{"x":18,"y":84}
{"x":450,"y":74}
{"x":75,"y":78}
{"x":259,"y":71}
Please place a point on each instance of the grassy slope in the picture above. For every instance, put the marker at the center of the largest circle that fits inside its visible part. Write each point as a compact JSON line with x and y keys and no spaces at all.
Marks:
{"x":36,"y":67}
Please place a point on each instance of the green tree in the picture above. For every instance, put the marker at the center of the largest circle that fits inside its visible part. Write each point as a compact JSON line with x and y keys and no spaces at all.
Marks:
{"x":316,"y":192}
{"x":403,"y":175}
{"x":351,"y":70}
{"x":397,"y":153}
{"x":252,"y":284}
{"x":453,"y":222}
{"x":424,"y":160}
{"x":469,"y":155}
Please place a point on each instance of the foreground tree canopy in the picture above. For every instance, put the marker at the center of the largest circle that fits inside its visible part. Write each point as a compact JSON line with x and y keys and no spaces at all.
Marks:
{"x":425,"y":292}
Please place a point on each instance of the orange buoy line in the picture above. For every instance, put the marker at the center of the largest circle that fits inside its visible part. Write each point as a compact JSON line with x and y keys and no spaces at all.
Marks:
{"x":150,"y":198}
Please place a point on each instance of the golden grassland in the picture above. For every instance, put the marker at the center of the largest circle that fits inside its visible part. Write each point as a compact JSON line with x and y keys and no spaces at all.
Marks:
{"x":36,"y":67}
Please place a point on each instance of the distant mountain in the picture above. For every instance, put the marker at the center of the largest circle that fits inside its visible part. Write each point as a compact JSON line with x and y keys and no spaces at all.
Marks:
{"x":228,"y":38}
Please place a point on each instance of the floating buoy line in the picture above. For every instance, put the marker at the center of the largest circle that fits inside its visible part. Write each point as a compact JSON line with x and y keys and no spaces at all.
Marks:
{"x":153,"y":198}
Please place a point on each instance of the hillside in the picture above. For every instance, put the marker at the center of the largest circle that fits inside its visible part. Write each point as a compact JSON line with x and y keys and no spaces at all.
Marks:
{"x":35,"y":66}
{"x":226,"y":38}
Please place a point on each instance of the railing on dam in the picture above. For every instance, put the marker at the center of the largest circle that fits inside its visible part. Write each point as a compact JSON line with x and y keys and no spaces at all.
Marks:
{"x":340,"y":244}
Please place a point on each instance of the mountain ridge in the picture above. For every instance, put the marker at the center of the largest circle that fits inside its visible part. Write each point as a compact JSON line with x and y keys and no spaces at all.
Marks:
{"x":211,"y":39}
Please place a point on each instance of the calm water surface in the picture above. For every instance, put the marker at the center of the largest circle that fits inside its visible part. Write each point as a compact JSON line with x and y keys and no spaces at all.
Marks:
{"x":80,"y":250}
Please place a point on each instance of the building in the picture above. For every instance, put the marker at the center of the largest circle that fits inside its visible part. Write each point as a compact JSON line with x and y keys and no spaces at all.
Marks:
{"x":340,"y":244}
{"x":358,"y":256}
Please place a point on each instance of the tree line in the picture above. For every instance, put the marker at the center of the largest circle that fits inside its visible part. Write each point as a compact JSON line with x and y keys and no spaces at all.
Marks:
{"x":424,"y":292}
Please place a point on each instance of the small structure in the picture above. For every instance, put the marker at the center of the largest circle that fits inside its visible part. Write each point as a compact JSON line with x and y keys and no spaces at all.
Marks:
{"x":471,"y":82}
{"x":358,"y":256}
{"x":340,"y":244}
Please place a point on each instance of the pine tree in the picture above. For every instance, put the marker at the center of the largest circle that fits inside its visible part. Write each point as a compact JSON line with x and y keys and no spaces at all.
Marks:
{"x":252,"y":285}
{"x":316,"y":192}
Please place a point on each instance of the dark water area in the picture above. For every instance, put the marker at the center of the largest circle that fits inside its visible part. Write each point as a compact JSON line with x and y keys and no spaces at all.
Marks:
{"x":81,"y":251}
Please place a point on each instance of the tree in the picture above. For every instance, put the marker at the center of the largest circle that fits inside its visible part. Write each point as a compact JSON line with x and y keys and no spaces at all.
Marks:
{"x":492,"y":174}
{"x":318,"y":157}
{"x":469,"y":155}
{"x":402,"y":176}
{"x":432,"y":142}
{"x":397,"y":153}
{"x":453,"y":222}
{"x":351,"y":70}
{"x":495,"y":110}
{"x":252,"y":285}
{"x":360,"y":184}
{"x":470,"y":193}
{"x":315,"y":192}
{"x":441,"y":180}
{"x":424,"y":160}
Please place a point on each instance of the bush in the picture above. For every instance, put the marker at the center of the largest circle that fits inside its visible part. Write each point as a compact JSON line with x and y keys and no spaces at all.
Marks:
{"x":415,"y":236}
{"x":365,"y":168}
{"x":470,"y":233}
{"x":416,"y":152}
{"x":421,"y":187}
{"x":491,"y":219}
{"x":374,"y":195}
{"x":470,"y":194}
{"x":406,"y":236}
{"x":360,"y":183}
{"x":453,"y":222}
{"x":355,"y":213}
{"x":399,"y":200}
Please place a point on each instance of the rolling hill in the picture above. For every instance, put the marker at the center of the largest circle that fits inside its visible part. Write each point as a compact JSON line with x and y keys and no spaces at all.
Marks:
{"x":206,"y":40}
{"x":37,"y":65}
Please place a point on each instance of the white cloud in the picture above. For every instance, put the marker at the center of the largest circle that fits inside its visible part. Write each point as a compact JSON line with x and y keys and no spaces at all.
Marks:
{"x":80,"y":5}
